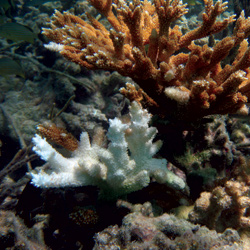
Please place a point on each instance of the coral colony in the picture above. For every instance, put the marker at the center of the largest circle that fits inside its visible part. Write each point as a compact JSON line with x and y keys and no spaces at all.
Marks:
{"x":111,"y":169}
{"x":178,"y":81}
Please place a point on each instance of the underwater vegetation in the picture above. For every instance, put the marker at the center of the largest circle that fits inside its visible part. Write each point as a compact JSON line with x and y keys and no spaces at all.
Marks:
{"x":124,"y":125}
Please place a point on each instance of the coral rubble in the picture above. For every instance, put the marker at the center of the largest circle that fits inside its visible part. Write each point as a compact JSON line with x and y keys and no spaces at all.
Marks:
{"x":14,"y":234}
{"x":144,"y":231}
{"x":178,"y":79}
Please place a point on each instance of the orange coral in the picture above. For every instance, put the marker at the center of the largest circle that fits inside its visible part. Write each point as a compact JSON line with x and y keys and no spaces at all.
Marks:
{"x":58,"y":135}
{"x":142,"y":45}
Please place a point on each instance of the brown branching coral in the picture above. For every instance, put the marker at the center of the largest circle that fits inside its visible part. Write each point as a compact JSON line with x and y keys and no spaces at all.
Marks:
{"x":58,"y":135}
{"x":226,"y":206}
{"x":142,"y":45}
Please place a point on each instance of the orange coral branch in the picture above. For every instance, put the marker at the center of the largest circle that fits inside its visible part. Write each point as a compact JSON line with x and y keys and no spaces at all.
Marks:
{"x":58,"y":135}
{"x":184,"y":86}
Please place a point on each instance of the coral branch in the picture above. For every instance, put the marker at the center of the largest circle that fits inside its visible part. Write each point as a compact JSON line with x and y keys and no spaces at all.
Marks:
{"x":113,"y":170}
{"x":143,"y":45}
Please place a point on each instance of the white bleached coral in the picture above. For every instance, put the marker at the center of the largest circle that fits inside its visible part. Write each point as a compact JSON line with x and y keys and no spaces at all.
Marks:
{"x":125,"y":166}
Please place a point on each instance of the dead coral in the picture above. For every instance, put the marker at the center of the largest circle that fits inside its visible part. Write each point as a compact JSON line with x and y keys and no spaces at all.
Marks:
{"x":141,"y":230}
{"x":11,"y":186}
{"x":15,"y":233}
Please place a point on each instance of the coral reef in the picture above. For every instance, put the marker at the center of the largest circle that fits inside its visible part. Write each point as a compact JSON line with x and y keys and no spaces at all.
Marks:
{"x":184,"y":66}
{"x":178,"y":79}
{"x":113,"y":170}
{"x":209,"y":145}
{"x":141,"y":230}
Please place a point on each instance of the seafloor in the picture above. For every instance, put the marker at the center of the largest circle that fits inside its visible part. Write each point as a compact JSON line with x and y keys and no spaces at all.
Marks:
{"x":45,"y":87}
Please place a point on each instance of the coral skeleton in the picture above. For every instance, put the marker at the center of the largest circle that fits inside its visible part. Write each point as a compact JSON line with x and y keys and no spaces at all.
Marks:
{"x":125,"y":166}
{"x":178,"y":79}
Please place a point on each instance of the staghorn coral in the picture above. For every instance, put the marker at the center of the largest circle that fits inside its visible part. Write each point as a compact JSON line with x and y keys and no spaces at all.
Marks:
{"x":125,"y":166}
{"x":178,"y":79}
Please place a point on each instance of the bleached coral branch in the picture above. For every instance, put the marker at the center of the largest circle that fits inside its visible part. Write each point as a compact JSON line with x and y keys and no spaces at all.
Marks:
{"x":74,"y":171}
{"x":125,"y":166}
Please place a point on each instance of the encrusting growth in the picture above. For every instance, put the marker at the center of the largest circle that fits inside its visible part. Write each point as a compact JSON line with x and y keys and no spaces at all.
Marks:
{"x":142,"y":45}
